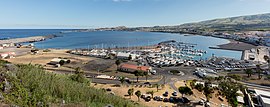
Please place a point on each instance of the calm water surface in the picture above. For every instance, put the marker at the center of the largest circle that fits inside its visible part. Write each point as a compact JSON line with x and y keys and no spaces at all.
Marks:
{"x":104,"y":39}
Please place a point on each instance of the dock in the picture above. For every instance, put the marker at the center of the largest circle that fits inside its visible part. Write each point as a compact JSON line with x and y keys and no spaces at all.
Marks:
{"x":26,"y":39}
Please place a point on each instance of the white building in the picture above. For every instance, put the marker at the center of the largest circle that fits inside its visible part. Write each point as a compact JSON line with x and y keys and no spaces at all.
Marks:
{"x":263,"y":98}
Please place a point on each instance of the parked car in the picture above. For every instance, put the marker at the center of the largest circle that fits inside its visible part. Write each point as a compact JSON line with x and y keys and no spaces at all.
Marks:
{"x":172,"y":100}
{"x":147,"y":99}
{"x":166,"y":100}
{"x":158,"y":98}
{"x":174,"y":93}
{"x":143,"y":96}
{"x":185,"y":100}
{"x":201,"y":102}
{"x":108,"y":89}
{"x":166,"y":94}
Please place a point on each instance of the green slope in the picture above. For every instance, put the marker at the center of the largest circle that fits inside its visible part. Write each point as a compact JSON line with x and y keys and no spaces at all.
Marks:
{"x":30,"y":85}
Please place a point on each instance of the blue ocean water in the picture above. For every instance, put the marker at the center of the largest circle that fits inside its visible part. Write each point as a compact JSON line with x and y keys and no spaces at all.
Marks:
{"x":104,"y":39}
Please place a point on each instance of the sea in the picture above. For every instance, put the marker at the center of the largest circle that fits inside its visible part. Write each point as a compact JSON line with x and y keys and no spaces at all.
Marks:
{"x":105,"y":39}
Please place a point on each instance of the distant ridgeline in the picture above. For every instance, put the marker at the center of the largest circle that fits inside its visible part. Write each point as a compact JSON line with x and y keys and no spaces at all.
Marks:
{"x":260,"y":22}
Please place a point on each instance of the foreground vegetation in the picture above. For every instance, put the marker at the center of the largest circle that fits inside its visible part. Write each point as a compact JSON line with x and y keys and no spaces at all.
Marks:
{"x":30,"y":85}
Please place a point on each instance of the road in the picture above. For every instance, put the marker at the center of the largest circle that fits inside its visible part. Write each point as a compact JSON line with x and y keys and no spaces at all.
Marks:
{"x":167,"y":78}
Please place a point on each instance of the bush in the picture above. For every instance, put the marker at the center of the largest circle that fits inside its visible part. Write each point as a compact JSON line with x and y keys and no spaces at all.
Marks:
{"x":33,"y":86}
{"x":62,"y":62}
{"x":199,"y":87}
{"x":268,"y":77}
{"x":236,"y":77}
{"x":174,"y":71}
{"x":68,"y":61}
{"x":46,"y":50}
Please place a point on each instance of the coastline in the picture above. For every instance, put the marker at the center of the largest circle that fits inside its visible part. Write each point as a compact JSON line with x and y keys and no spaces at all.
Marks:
{"x":230,"y":45}
{"x":234,"y":46}
{"x":27,"y":39}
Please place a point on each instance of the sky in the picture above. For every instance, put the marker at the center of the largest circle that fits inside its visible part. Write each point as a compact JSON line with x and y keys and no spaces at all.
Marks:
{"x":38,"y":14}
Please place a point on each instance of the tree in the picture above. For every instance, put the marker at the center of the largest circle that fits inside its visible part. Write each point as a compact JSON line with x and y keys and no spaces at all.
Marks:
{"x":192,"y":83}
{"x":248,"y":72}
{"x":61,"y":62}
{"x":185,"y":90}
{"x":258,"y":69}
{"x":138,"y":94}
{"x":138,"y":73}
{"x":118,"y":62}
{"x":79,"y":76}
{"x":229,"y":90}
{"x":129,"y":57}
{"x":78,"y":70}
{"x":130,"y":92}
{"x":157,"y":86}
{"x":151,"y":93}
{"x":267,"y":59}
{"x":207,"y":91}
{"x":122,"y":80}
{"x":199,"y":87}
{"x":146,"y":75}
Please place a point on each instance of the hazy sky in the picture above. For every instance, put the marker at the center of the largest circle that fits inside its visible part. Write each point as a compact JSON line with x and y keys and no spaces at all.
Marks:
{"x":107,"y":13}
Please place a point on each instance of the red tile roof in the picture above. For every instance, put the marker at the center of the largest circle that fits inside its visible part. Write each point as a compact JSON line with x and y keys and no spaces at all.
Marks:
{"x":135,"y":67}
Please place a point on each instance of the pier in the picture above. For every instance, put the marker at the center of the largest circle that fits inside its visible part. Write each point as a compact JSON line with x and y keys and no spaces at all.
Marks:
{"x":27,"y":39}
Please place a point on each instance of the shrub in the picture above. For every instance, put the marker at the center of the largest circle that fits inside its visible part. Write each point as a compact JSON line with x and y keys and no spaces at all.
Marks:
{"x":199,"y":87}
{"x":236,"y":77}
{"x":62,"y":62}
{"x":174,"y":71}
{"x":46,"y":50}
{"x":33,"y":86}
{"x":68,"y":61}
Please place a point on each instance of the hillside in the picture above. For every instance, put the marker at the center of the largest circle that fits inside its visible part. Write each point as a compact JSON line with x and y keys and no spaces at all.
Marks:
{"x":30,"y":85}
{"x":260,"y":21}
{"x":232,"y":24}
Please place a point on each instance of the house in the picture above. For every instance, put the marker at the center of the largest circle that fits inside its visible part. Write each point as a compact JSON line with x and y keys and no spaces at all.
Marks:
{"x":122,"y":55}
{"x":240,"y":97}
{"x":7,"y":55}
{"x":263,"y":98}
{"x":132,"y":68}
{"x":56,"y":61}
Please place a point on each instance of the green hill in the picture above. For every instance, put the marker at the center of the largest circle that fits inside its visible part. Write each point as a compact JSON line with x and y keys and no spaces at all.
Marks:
{"x":232,"y":24}
{"x":250,"y":22}
{"x":30,"y":85}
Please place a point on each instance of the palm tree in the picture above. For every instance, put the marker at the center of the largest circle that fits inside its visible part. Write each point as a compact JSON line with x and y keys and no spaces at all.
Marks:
{"x":207,"y":91}
{"x":138,"y":94}
{"x":248,"y":72}
{"x":146,"y":75}
{"x":130,"y":92}
{"x":258,"y":69}
{"x":267,"y":59}
{"x":118,"y":62}
{"x":185,"y":90}
{"x":151,"y":93}
{"x":122,"y":80}
{"x":138,"y":73}
{"x":157,"y":86}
